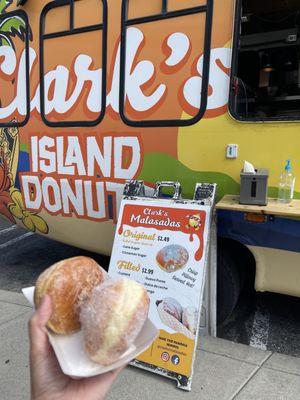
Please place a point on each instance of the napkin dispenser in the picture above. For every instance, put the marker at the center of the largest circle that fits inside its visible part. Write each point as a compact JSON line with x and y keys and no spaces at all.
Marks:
{"x":254,"y":187}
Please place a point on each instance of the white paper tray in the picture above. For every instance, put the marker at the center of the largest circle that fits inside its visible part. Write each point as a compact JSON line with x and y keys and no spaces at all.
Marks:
{"x":71,"y":355}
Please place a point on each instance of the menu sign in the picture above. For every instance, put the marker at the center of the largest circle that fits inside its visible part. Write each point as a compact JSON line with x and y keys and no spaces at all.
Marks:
{"x":162,"y":244}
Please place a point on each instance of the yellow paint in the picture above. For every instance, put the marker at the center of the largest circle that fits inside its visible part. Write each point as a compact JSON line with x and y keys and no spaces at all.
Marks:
{"x":88,"y":235}
{"x":203,"y":146}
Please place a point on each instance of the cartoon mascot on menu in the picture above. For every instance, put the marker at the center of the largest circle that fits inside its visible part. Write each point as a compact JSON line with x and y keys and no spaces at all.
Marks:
{"x":194,"y":222}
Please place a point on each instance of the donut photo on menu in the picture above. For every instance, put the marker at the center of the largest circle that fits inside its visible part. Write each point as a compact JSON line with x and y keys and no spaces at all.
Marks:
{"x":172,"y":257}
{"x":190,"y":319}
{"x":180,"y":319}
{"x":172,"y":307}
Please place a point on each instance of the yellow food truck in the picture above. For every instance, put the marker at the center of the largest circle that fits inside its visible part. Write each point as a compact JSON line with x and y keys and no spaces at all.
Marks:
{"x":96,"y":92}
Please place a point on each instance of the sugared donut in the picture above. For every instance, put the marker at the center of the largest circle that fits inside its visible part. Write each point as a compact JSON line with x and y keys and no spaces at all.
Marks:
{"x":172,"y":307}
{"x":172,"y":257}
{"x":190,"y":318}
{"x":69,"y":283}
{"x":112,"y":318}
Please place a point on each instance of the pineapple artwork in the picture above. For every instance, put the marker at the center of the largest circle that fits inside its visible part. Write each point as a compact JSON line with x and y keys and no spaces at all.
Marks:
{"x":11,"y":202}
{"x":6,"y":177}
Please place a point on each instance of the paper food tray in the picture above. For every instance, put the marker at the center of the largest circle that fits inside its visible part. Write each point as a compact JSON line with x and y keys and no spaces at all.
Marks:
{"x":71,"y":355}
{"x":173,"y":323}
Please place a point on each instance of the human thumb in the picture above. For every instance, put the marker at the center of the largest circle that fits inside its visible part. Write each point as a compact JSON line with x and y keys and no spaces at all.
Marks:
{"x":39,"y":342}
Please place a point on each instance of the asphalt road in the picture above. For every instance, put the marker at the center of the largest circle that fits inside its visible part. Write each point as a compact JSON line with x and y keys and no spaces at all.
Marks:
{"x":264,"y":320}
{"x":267,"y":321}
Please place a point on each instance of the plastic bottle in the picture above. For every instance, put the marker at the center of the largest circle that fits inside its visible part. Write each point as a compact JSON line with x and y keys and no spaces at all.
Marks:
{"x":286,"y":184}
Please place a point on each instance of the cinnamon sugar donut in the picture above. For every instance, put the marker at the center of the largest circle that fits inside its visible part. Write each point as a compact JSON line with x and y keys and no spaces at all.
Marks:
{"x":173,"y":257}
{"x":69,"y":283}
{"x":112,"y":318}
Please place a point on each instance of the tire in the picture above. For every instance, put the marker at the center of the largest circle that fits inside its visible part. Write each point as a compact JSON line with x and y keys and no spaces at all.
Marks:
{"x":228,"y":285}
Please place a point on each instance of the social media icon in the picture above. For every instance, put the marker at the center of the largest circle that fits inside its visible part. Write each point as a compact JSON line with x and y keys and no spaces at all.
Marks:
{"x":165,"y":356}
{"x":175,"y":359}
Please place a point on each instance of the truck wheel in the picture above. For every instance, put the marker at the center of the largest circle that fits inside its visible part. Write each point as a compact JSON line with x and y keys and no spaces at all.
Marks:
{"x":228,"y":285}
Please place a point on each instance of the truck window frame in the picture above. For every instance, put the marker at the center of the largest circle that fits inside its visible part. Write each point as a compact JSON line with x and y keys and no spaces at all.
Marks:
{"x":22,"y":14}
{"x":71,"y":31}
{"x":165,"y":14}
{"x":233,"y":75}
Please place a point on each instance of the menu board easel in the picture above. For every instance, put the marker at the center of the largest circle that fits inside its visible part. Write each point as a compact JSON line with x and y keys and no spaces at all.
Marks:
{"x":163,"y":243}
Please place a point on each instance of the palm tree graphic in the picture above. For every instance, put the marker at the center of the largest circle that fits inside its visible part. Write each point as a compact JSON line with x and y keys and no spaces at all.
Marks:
{"x":10,"y":26}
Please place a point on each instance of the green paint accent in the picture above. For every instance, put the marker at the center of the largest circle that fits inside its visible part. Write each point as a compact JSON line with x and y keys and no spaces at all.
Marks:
{"x":24,"y":147}
{"x":4,"y":4}
{"x":5,"y":40}
{"x":273,"y":192}
{"x":13,"y":26}
{"x":160,"y":166}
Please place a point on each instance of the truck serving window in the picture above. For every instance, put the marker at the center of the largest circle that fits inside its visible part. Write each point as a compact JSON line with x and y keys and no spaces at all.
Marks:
{"x":265,"y":81}
{"x":14,"y":69}
{"x":73,"y":50}
{"x":164,"y":68}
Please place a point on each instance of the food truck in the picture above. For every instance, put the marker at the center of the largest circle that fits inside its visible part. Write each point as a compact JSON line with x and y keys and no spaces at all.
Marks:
{"x":96,"y":92}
